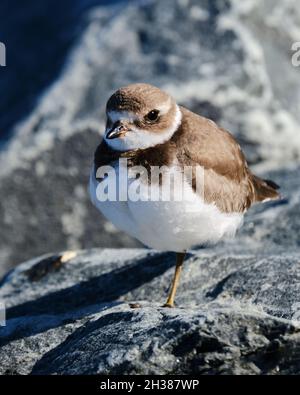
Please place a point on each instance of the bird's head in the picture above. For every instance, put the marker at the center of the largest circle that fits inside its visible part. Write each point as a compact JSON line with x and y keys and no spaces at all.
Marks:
{"x":140,"y":116}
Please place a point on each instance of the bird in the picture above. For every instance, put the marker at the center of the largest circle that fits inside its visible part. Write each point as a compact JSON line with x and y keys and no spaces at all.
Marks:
{"x":146,"y":129}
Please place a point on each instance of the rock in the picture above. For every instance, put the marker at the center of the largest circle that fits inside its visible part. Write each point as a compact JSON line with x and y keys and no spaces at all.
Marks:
{"x":160,"y":341}
{"x":222,"y":59}
{"x":236,"y":314}
{"x":238,"y":304}
{"x":273,"y":227}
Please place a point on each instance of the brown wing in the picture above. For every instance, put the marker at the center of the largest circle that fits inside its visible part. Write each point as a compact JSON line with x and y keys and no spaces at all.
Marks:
{"x":228,"y":182}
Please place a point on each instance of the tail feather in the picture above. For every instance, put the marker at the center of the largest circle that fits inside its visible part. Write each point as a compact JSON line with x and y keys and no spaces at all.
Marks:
{"x":272,"y":184}
{"x":265,"y":189}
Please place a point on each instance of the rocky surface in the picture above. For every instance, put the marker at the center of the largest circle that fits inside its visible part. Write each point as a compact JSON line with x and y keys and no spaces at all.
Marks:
{"x":224,"y":59}
{"x":235,"y":314}
{"x":238,"y":305}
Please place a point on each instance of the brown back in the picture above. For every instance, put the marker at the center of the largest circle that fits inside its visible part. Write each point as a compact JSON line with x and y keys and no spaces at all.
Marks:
{"x":228,"y":181}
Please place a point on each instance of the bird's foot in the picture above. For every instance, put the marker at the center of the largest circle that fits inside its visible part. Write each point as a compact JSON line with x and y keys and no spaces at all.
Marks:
{"x":169,"y":305}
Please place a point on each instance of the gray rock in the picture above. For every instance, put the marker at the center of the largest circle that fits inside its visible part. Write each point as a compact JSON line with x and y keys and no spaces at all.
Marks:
{"x":236,"y":314}
{"x":238,"y":305}
{"x":160,"y":341}
{"x":273,"y":227}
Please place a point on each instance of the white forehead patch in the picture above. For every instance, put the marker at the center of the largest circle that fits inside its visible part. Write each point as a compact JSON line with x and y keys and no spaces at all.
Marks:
{"x":115,"y":116}
{"x":140,"y":138}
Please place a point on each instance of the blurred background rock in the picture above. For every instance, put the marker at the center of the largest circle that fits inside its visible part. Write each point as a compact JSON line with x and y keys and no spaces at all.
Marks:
{"x":228,"y":60}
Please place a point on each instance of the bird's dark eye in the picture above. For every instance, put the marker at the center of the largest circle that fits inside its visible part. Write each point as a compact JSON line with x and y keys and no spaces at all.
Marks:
{"x":152,"y":115}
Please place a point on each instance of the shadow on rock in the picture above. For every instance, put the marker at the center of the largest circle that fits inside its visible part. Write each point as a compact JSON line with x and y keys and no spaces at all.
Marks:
{"x":81,"y":299}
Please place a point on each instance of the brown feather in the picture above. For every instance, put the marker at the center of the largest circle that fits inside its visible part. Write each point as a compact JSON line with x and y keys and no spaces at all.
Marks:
{"x":228,"y":181}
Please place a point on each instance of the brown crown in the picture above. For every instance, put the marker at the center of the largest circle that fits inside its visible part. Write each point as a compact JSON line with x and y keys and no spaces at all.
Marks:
{"x":136,"y":98}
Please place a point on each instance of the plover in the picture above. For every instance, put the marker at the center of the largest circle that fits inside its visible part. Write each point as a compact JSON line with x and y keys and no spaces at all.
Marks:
{"x":147,"y":129}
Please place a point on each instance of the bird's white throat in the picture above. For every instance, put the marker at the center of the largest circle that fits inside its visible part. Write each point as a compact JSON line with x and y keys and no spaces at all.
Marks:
{"x":140,"y":138}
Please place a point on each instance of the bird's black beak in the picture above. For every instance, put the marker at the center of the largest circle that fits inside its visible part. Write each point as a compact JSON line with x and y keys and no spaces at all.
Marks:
{"x":116,"y":132}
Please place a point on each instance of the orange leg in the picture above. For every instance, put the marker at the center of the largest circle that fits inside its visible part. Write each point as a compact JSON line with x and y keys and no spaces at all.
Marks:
{"x":179,"y":263}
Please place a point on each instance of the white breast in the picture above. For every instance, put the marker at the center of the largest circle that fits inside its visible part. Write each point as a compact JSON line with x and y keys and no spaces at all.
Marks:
{"x":169,"y":225}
